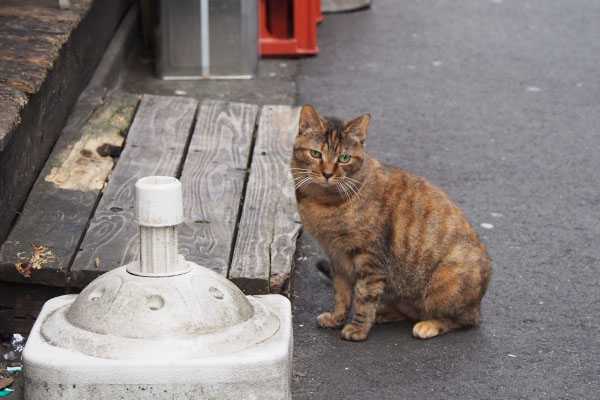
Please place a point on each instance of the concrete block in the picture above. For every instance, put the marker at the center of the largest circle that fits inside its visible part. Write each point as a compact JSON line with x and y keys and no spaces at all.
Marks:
{"x":258,"y":372}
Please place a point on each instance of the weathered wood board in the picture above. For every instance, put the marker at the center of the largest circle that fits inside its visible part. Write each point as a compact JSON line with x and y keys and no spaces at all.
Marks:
{"x":34,"y":12}
{"x":155,"y":146}
{"x":20,"y":305}
{"x":268,"y":229}
{"x":50,"y":32}
{"x":40,"y":53}
{"x":11,"y":102}
{"x":30,"y":129}
{"x":213,"y":178}
{"x":47,"y":247}
{"x":45,"y":239}
{"x":21,"y":75}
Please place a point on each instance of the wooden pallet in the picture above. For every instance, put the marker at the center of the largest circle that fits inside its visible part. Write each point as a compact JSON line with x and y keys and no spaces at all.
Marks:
{"x":232,"y":159}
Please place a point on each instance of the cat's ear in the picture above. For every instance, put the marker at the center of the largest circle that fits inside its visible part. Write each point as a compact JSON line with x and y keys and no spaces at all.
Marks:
{"x":357,"y":128}
{"x":309,"y":120}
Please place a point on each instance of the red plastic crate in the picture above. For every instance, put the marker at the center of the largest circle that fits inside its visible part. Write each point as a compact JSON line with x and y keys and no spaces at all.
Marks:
{"x":289,"y":27}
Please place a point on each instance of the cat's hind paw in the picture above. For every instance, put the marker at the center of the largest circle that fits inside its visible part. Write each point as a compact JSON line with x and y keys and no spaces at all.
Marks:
{"x":354,"y":333}
{"x":328,"y":321}
{"x":428,"y":329}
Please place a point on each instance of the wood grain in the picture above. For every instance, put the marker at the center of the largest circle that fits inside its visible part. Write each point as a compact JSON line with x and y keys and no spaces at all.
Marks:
{"x":213,"y":178}
{"x":46,"y":237}
{"x":71,"y":18}
{"x":11,"y":102}
{"x":155,"y":146}
{"x":21,"y":75}
{"x":268,"y":228}
{"x":42,"y":53}
{"x":31,"y":30}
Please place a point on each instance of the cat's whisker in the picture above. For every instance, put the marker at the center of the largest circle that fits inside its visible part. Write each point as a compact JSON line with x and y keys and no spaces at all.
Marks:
{"x":343,"y":191}
{"x":349,"y":189}
{"x":353,"y":190}
{"x":295,"y":177}
{"x":357,"y":182}
{"x":302,"y":183}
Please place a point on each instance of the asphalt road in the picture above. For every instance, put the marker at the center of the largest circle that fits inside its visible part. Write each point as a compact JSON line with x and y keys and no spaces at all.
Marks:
{"x":498,"y":103}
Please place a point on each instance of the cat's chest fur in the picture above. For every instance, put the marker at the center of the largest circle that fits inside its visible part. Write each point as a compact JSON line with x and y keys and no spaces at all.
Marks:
{"x":336,"y":227}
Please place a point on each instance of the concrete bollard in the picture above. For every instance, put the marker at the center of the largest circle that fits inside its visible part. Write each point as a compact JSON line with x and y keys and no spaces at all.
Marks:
{"x":161,"y":327}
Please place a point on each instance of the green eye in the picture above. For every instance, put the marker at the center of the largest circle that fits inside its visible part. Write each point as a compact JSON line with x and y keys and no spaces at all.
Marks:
{"x":344,"y":158}
{"x":315,"y":153}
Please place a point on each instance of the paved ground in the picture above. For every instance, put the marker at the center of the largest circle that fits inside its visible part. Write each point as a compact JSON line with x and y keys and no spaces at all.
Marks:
{"x":497,"y":102}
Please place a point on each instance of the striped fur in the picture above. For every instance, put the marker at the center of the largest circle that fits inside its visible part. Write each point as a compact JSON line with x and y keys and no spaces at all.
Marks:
{"x":399,"y":248}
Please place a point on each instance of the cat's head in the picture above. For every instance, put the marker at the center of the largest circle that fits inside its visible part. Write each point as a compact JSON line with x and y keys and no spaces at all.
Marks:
{"x":329,"y":151}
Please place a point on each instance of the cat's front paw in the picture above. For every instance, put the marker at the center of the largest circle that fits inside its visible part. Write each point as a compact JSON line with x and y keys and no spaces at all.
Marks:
{"x":354,"y":333}
{"x":328,"y":321}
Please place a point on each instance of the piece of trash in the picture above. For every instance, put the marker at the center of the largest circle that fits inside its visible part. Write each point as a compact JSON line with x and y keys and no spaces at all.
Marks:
{"x":487,"y":226}
{"x":6,"y":382}
{"x":16,"y":345}
{"x":6,"y":392}
{"x":14,"y":369}
{"x":512,"y":355}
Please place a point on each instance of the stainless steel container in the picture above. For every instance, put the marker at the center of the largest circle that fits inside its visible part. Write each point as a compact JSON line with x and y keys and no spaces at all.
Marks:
{"x":207,"y":39}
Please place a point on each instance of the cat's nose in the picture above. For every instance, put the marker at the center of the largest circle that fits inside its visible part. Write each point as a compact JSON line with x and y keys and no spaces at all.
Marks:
{"x":327,"y":175}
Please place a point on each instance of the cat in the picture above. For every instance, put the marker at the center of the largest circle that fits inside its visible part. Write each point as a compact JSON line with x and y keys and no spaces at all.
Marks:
{"x":399,"y":247}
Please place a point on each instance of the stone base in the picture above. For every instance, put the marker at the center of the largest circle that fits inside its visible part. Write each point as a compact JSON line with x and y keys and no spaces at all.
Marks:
{"x":262,"y":371}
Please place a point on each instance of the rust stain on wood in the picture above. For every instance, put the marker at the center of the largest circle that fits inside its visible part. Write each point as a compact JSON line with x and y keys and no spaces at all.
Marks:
{"x":41,"y":255}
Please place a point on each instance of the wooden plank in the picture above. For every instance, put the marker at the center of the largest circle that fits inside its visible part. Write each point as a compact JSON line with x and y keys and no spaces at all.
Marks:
{"x":155,"y":146}
{"x":11,"y":102}
{"x":45,"y":239}
{"x":25,"y":148}
{"x":20,"y":305}
{"x":268,"y":227}
{"x":21,"y":75}
{"x":49,"y":32}
{"x":213,"y":179}
{"x":41,"y":53}
{"x":70,"y":18}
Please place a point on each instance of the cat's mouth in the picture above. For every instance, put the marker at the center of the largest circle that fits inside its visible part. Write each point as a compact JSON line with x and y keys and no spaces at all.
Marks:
{"x":325,"y":182}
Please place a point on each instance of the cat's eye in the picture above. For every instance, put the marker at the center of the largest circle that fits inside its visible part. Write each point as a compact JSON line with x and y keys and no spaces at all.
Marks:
{"x":344,"y":158}
{"x":315,"y":153}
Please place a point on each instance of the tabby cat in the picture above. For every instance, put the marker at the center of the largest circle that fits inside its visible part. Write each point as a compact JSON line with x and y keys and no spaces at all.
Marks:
{"x":398,"y":247}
